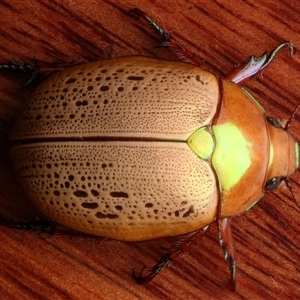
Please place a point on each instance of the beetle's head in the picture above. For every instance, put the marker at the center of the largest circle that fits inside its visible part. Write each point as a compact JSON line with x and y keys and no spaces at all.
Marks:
{"x":284,"y":155}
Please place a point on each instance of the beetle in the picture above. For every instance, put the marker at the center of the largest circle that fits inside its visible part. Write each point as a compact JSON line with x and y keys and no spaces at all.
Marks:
{"x":137,"y":148}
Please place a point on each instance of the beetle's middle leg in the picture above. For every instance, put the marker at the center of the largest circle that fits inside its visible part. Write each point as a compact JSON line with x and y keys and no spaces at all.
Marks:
{"x":180,"y":246}
{"x":169,"y":41}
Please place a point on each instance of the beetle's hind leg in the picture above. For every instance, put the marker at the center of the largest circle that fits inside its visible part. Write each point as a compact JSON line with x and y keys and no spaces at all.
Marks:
{"x":226,"y":241}
{"x":36,"y":69}
{"x":180,"y":246}
{"x":50,"y":228}
{"x":169,"y":41}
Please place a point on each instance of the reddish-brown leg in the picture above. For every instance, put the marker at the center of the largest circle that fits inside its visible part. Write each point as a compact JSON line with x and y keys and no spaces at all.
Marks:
{"x":169,"y":41}
{"x":182,"y":245}
{"x":253,"y":65}
{"x":226,"y":241}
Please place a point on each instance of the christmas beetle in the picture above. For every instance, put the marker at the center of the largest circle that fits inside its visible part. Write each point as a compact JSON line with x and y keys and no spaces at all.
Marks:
{"x":137,"y":148}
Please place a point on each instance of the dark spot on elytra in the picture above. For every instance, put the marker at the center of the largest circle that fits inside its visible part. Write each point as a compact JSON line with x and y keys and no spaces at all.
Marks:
{"x":198,"y":79}
{"x":95,"y":193}
{"x":104,"y":88}
{"x":38,"y":117}
{"x":56,"y":193}
{"x":118,"y":207}
{"x":100,"y":215}
{"x":190,"y":211}
{"x":135,"y":77}
{"x":119,"y":195}
{"x":80,"y":194}
{"x":70,"y":80}
{"x":148,"y":205}
{"x":67,"y":184}
{"x":91,"y":205}
{"x":83,"y":103}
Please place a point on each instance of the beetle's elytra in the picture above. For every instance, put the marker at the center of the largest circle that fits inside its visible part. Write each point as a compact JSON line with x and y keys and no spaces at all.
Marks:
{"x":137,"y":148}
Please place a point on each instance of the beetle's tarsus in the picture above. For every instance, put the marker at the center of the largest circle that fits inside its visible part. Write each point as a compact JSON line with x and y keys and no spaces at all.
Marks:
{"x":232,"y":268}
{"x":165,"y":36}
{"x":178,"y":247}
{"x":170,"y":42}
{"x":22,"y":66}
{"x":50,"y":228}
{"x":226,"y":242}
{"x":36,"y":68}
{"x":140,"y":279}
{"x":37,"y":227}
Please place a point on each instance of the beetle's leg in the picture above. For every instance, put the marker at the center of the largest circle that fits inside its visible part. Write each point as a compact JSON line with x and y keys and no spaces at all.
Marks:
{"x":50,"y":228}
{"x":169,"y":41}
{"x":226,"y":241}
{"x":180,"y":246}
{"x":36,"y":68}
{"x":253,"y":65}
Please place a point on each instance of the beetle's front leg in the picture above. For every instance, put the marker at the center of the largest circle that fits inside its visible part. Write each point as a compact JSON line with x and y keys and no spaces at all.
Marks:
{"x":253,"y":65}
{"x":180,"y":246}
{"x":169,"y":41}
{"x":36,"y":68}
{"x":226,"y":241}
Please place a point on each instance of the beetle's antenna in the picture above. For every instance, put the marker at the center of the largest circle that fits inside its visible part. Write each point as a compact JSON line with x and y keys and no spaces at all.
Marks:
{"x":289,"y":186}
{"x":289,"y":122}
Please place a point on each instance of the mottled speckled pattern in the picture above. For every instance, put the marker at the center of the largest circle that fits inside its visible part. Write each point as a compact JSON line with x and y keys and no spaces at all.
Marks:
{"x":135,"y":96}
{"x":122,"y":190}
{"x":104,"y":148}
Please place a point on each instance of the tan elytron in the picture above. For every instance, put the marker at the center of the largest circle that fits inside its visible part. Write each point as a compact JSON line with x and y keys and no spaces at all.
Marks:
{"x":126,"y":191}
{"x":103,"y":148}
{"x":133,"y":97}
